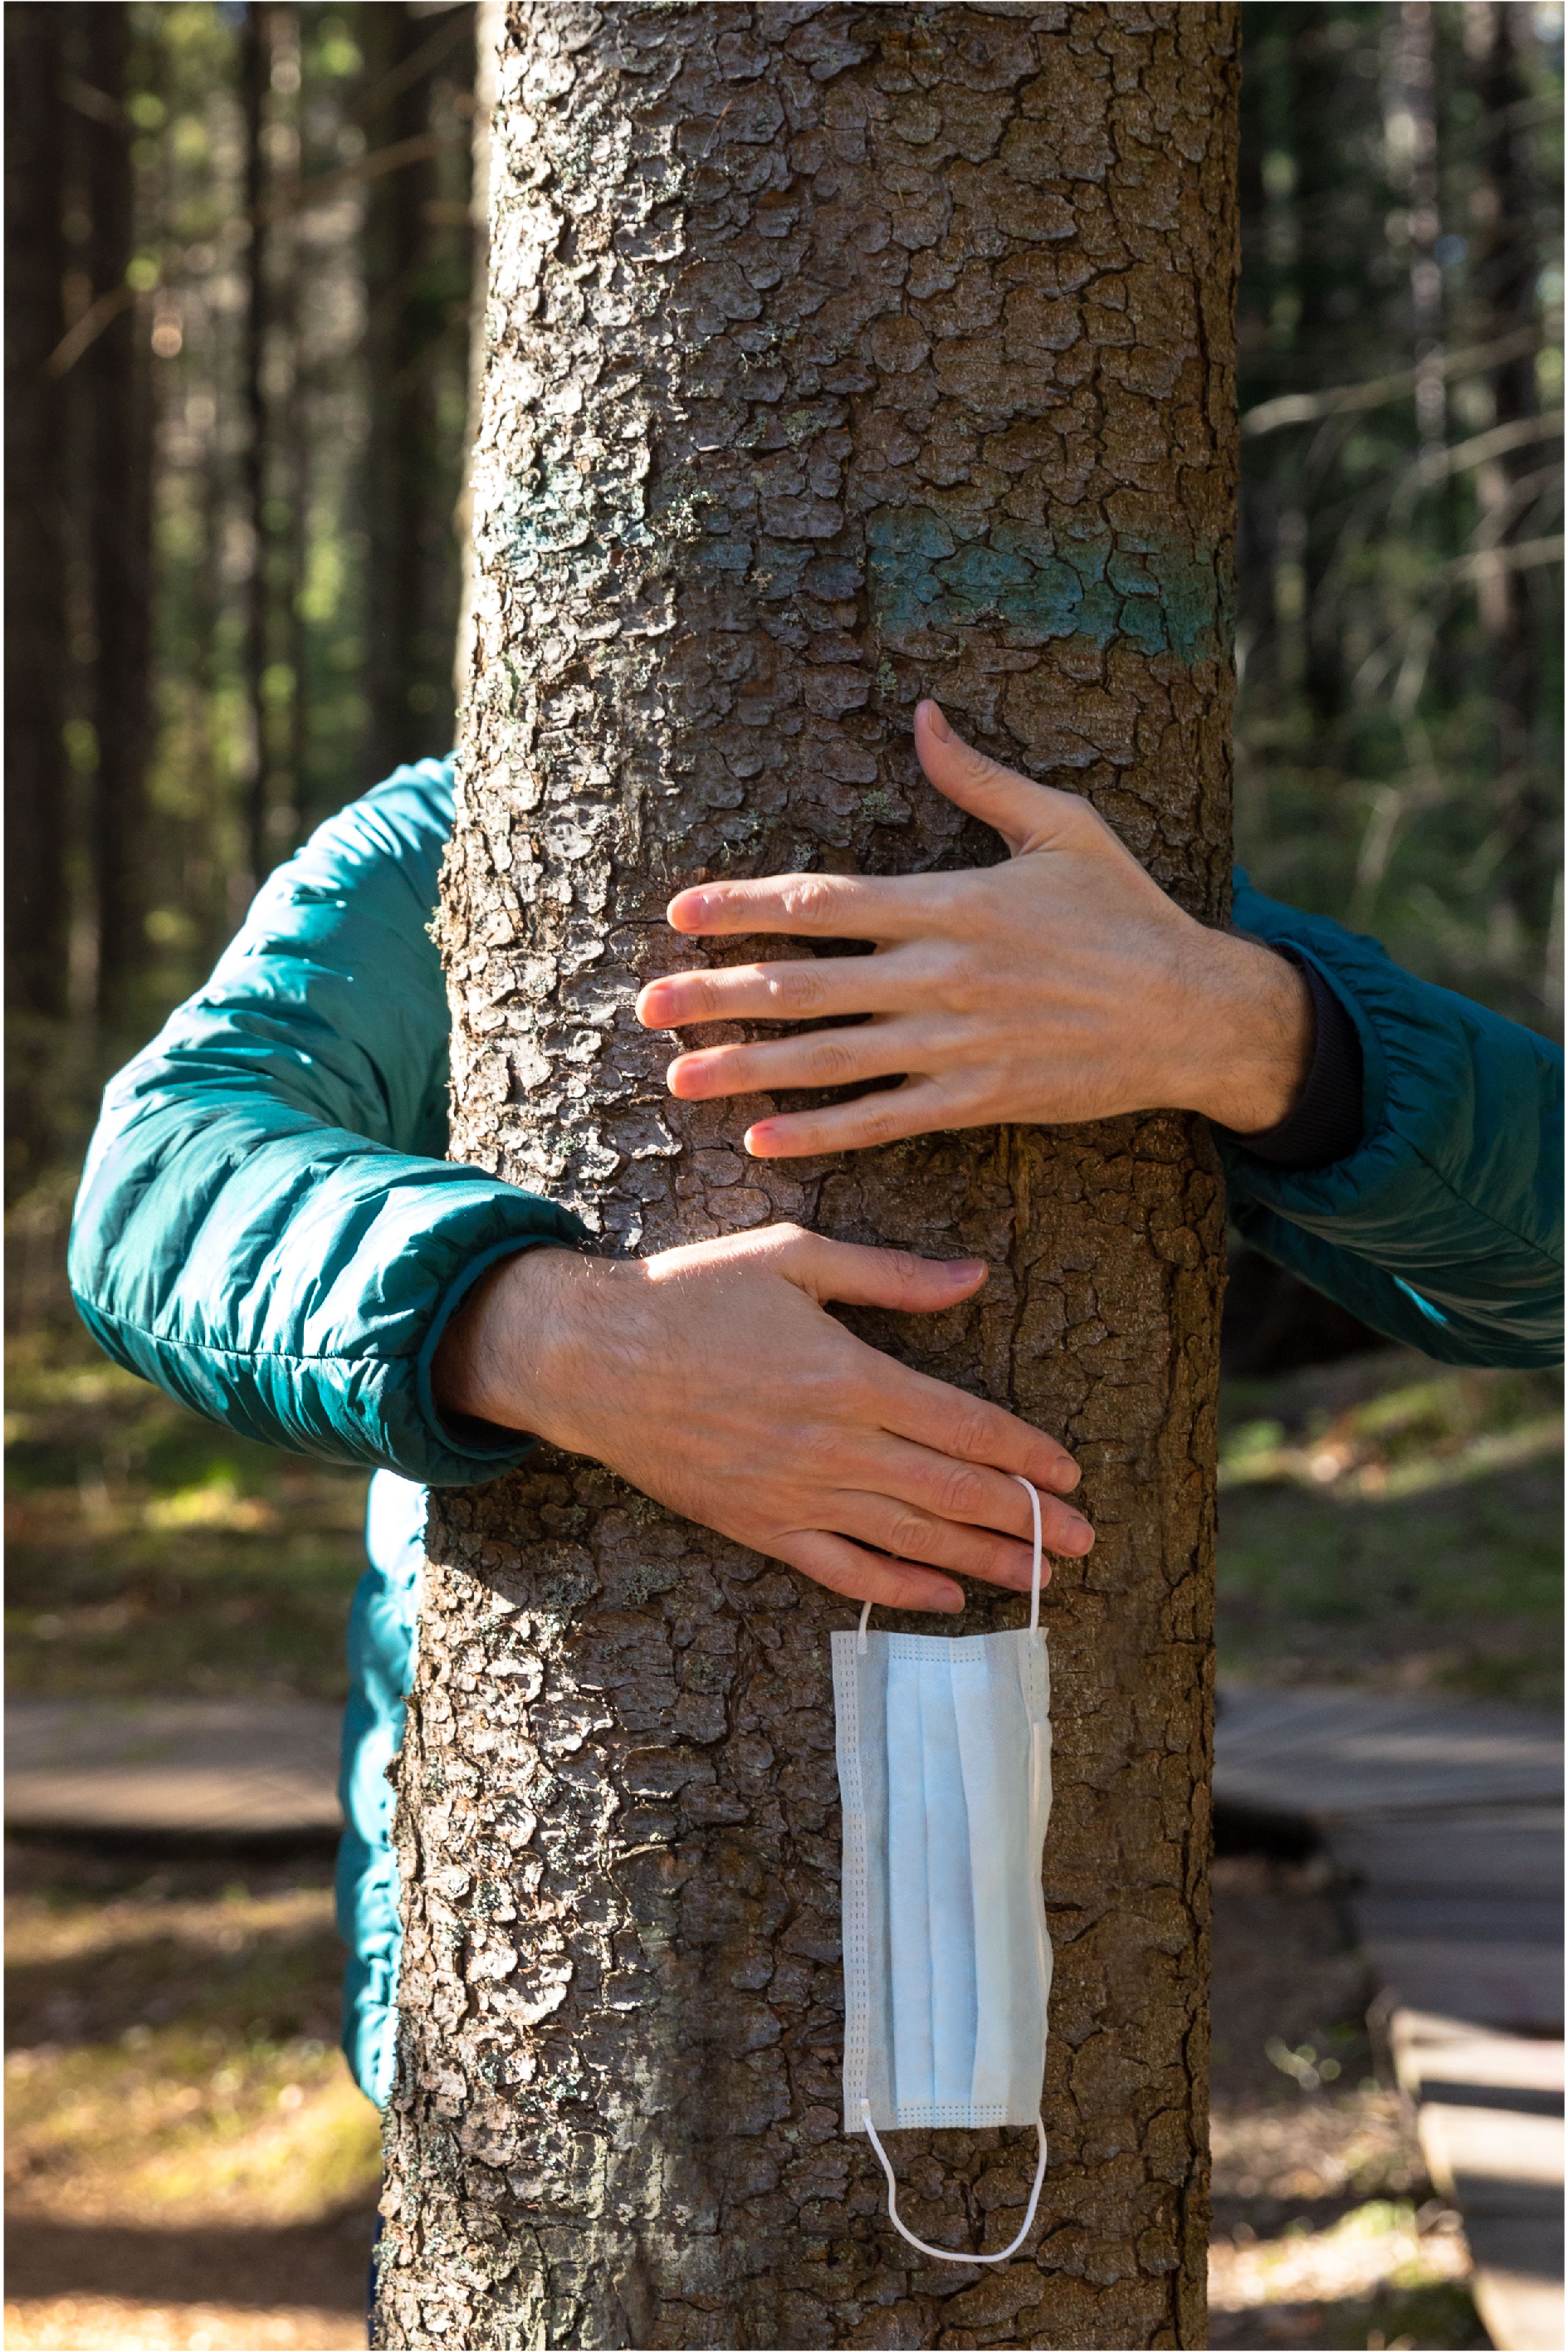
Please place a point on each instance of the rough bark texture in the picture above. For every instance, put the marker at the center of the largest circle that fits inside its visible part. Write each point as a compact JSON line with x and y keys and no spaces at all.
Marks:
{"x":835,"y":356}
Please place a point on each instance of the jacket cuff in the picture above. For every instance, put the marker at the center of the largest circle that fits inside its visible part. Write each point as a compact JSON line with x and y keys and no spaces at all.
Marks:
{"x":492,"y":1449}
{"x":1325,"y":1123}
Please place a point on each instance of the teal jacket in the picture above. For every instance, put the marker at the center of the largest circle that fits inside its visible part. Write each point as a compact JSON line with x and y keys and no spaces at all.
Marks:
{"x":268,"y":1228}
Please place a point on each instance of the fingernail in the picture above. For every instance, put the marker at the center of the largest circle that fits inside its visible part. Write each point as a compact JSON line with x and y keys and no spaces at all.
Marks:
{"x":694,"y":910}
{"x":964,"y":1269}
{"x":1065,"y":1477}
{"x":937,"y":724}
{"x":756,"y":1142}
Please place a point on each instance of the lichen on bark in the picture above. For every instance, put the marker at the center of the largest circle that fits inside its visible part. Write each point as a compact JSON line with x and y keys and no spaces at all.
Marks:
{"x":836,"y":355}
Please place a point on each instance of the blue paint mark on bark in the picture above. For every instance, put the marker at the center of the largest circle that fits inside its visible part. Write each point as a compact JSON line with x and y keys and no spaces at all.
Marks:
{"x":1162,"y":592}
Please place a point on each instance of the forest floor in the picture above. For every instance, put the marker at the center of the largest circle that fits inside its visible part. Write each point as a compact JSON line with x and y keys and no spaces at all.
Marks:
{"x":1327,"y":2234}
{"x":188,"y":2164}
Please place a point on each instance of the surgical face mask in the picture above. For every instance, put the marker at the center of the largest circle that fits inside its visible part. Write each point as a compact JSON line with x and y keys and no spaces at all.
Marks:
{"x":943,"y":1752}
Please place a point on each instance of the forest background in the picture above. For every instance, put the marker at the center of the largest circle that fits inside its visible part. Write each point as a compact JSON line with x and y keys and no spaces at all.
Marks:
{"x":242,"y":249}
{"x":243,"y":244}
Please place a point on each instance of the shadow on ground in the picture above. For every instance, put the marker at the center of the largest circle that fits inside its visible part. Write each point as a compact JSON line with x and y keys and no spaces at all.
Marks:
{"x":323,"y":2263}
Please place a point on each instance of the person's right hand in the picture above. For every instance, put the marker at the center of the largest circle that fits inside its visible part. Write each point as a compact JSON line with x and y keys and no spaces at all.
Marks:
{"x":713,"y":1378}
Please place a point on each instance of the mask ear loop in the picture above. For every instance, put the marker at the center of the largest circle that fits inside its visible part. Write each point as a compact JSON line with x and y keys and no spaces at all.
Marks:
{"x":1034,"y":1585}
{"x":945,"y":2254}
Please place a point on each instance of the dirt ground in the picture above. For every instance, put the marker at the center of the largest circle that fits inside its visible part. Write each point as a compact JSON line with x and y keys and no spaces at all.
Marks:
{"x":189,"y":2166}
{"x":187,"y":2162}
{"x":1327,"y":2235}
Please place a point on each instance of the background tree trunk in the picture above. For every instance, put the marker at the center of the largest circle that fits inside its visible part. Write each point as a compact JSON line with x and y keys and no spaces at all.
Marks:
{"x":1528,"y":776}
{"x":418,"y":269}
{"x":256,"y":84}
{"x":116,"y":393}
{"x":37,"y":907}
{"x":835,"y":356}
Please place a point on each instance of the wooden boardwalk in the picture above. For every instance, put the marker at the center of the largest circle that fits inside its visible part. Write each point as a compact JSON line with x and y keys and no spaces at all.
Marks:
{"x":1445,"y":1819}
{"x":203,"y":1767}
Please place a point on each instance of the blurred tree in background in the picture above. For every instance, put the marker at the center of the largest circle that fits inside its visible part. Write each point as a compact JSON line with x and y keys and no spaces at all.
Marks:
{"x":241,"y":250}
{"x":241,"y":254}
{"x":1400,"y":605}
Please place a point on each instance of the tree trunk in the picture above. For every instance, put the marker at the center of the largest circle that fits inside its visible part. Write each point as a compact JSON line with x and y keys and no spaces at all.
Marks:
{"x":837,"y":356}
{"x":1527,"y":782}
{"x":117,"y":394}
{"x":36,"y":908}
{"x":489,"y":29}
{"x":1413,"y":123}
{"x":255,"y":82}
{"x":407,"y":686}
{"x":1317,"y":74}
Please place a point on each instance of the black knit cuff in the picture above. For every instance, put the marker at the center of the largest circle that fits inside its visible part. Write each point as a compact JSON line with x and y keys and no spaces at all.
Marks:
{"x":1324,"y":1124}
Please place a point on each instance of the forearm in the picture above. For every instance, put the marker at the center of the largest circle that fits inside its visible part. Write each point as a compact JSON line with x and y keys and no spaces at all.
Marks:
{"x":1247,"y":1018}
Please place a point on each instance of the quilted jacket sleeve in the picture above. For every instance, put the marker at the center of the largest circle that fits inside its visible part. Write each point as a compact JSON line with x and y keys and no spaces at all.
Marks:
{"x":266,"y":1225}
{"x":1444,"y":1227}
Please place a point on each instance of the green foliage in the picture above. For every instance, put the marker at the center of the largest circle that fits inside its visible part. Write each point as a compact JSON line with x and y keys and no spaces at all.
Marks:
{"x":151,"y":1551}
{"x":1383,"y":1520}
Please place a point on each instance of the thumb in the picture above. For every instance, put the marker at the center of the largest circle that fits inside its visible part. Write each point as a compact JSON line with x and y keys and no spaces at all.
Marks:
{"x":883,"y":1277}
{"x":1024,"y":813}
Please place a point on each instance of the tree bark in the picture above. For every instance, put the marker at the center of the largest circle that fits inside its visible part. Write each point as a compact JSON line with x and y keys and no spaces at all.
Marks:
{"x":835,"y":356}
{"x":36,"y":907}
{"x":411,"y":584}
{"x":116,"y":391}
{"x":489,"y":19}
{"x":1527,"y":785}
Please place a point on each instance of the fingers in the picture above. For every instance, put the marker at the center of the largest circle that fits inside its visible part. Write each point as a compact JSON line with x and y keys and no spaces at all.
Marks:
{"x":858,"y":1277}
{"x":808,"y":989}
{"x":919,"y":1107}
{"x":966,"y":1428}
{"x":811,"y":905}
{"x":844,"y":1567}
{"x":969,"y":1493}
{"x":828,"y":1057}
{"x":1025,"y":815}
{"x":910,"y":1533}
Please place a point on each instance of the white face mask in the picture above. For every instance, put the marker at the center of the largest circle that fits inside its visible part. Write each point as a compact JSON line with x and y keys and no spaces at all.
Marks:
{"x":943,"y":1752}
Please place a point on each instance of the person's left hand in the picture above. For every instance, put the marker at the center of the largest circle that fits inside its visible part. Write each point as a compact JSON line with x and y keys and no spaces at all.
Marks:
{"x":1060,"y":985}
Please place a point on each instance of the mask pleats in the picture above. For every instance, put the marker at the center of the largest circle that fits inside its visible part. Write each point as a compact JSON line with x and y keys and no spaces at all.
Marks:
{"x":947,"y":1883}
{"x":944,"y":1767}
{"x":909,"y":1907}
{"x":930,"y":1916}
{"x":998,"y":1862}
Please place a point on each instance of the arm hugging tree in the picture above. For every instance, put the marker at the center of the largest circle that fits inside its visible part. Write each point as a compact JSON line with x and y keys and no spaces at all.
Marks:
{"x":836,"y":356}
